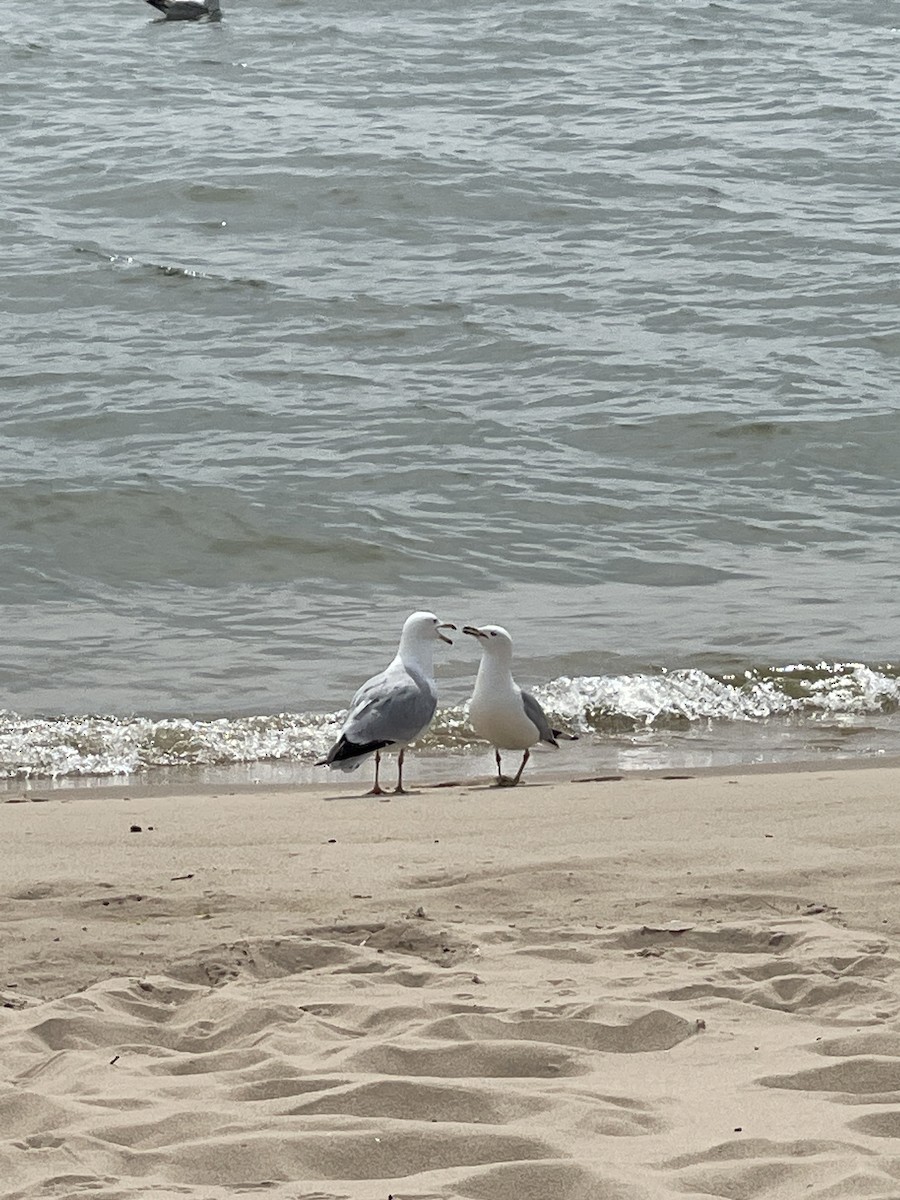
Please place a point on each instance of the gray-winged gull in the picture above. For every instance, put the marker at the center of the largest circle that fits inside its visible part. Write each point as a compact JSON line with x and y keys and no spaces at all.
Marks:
{"x":188,"y":10}
{"x":500,"y":711}
{"x":392,"y":709}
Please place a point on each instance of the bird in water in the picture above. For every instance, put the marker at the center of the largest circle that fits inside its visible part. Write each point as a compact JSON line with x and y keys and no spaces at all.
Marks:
{"x":500,"y":711}
{"x":395,"y":707}
{"x":188,"y":10}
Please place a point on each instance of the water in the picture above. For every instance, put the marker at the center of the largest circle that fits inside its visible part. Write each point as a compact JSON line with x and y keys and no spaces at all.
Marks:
{"x":580,"y":319}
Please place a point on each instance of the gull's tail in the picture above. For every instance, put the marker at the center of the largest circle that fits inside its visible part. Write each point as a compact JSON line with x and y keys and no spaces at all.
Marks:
{"x":346,"y":756}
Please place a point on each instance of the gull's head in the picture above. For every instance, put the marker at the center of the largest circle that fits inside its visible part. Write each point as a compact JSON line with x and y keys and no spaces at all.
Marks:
{"x":425,"y":627}
{"x":493,"y":639}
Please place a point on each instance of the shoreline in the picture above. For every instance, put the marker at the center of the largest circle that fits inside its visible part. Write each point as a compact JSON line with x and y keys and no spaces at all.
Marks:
{"x":679,"y":720}
{"x":179,"y":781}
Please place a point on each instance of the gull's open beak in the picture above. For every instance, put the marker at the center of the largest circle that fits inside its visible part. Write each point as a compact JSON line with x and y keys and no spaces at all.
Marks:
{"x":473,"y":631}
{"x":446,"y":625}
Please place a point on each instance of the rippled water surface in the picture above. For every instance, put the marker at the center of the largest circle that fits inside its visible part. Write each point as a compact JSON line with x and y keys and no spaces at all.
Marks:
{"x":577,"y":318}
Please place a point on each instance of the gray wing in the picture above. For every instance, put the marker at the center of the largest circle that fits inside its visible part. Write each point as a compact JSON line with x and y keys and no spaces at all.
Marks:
{"x":538,"y":718}
{"x":184,"y":10}
{"x":390,"y":707}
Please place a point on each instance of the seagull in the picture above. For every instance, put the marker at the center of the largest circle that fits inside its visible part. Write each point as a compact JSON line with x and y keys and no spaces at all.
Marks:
{"x":188,"y":10}
{"x":394,"y":708}
{"x":499,"y":710}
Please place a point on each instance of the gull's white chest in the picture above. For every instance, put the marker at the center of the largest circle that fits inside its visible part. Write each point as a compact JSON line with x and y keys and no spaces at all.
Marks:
{"x":497,"y":714}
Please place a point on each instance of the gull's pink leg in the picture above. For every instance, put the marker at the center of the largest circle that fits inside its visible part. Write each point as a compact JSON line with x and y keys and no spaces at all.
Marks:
{"x":377,"y":789}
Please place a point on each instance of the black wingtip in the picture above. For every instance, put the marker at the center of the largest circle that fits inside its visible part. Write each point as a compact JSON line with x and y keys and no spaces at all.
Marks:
{"x":568,"y":737}
{"x":343,"y":750}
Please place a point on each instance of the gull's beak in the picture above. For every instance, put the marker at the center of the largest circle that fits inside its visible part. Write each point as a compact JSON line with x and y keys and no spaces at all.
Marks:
{"x":446,"y":625}
{"x":473,"y":631}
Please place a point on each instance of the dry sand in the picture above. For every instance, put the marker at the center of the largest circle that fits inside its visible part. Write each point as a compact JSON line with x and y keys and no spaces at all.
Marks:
{"x":653,"y":987}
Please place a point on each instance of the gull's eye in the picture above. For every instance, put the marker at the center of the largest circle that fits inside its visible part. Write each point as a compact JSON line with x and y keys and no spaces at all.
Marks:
{"x":493,"y":633}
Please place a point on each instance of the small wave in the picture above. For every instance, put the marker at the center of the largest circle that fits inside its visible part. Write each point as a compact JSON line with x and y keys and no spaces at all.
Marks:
{"x":824,"y":689}
{"x":55,"y":747}
{"x":825,"y":693}
{"x":172,"y":270}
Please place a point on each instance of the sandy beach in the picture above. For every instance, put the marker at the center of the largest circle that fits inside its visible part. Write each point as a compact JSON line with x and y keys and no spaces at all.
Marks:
{"x":623,"y":989}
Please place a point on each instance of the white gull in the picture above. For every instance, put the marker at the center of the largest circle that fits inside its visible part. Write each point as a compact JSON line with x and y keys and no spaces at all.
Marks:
{"x":500,"y":711}
{"x":393,"y":708}
{"x":188,"y":10}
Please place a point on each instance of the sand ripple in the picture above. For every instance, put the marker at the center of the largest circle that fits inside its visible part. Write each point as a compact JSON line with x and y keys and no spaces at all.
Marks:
{"x":402,"y":1059}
